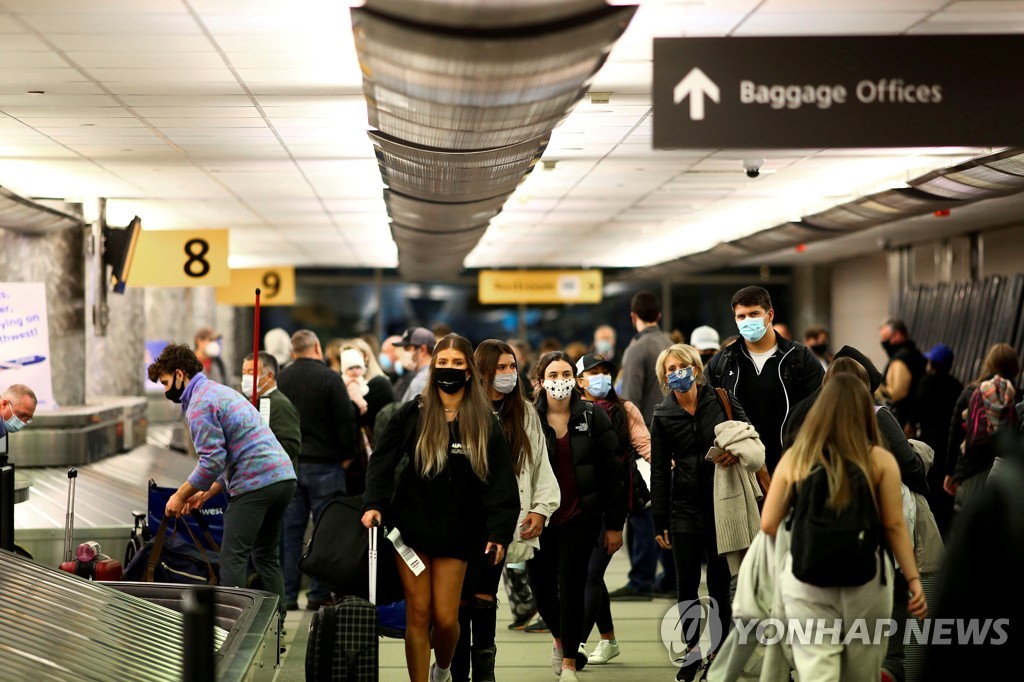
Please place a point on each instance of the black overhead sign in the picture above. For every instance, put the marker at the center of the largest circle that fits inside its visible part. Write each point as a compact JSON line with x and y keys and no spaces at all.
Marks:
{"x":874,"y":91}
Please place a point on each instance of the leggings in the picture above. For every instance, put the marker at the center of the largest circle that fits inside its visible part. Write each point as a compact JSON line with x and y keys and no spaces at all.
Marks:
{"x":598,"y":609}
{"x":558,"y":577}
{"x":689,"y":549}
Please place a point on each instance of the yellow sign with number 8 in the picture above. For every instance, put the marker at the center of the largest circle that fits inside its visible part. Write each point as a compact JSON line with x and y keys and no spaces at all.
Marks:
{"x":180,"y":258}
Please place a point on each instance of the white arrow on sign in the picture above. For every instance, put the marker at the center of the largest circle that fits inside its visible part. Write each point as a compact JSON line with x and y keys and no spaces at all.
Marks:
{"x":695,"y":85}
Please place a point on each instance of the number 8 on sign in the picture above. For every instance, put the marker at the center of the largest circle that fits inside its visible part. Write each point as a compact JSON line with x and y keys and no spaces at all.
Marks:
{"x":195,"y":249}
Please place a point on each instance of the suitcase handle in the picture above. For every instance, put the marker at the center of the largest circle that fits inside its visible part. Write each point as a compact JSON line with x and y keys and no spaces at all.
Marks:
{"x":158,"y":548}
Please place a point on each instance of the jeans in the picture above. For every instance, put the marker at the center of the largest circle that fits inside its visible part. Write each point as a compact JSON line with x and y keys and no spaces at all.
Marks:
{"x":643,"y":552}
{"x":318,"y":483}
{"x":252,"y":526}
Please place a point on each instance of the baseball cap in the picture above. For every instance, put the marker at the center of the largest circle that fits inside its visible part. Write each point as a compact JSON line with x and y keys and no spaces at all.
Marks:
{"x":940,"y":355}
{"x":704,"y":338}
{"x":592,"y":360}
{"x":419,"y":336}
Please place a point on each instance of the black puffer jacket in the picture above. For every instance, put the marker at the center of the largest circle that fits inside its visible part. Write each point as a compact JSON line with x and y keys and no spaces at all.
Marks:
{"x":682,"y":498}
{"x":893,"y":439}
{"x":596,"y":462}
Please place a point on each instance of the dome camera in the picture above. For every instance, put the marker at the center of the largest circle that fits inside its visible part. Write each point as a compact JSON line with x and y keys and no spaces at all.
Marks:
{"x":753,"y":167}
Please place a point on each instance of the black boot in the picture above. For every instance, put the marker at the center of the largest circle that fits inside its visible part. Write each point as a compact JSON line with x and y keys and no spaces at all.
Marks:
{"x":483,"y":664}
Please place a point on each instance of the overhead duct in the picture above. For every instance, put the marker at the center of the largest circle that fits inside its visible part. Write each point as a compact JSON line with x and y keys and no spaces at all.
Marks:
{"x":984,"y":177}
{"x":26,"y":215}
{"x":444,"y":176}
{"x":485,"y":14}
{"x":464,"y":95}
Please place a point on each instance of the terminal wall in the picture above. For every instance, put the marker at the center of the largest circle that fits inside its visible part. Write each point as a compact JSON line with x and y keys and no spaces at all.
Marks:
{"x":174,"y":314}
{"x":860,"y":303}
{"x":57,"y":259}
{"x":1003,"y":251}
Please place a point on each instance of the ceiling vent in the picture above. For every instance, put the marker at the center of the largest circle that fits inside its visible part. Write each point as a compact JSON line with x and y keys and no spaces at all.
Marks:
{"x":463,"y":96}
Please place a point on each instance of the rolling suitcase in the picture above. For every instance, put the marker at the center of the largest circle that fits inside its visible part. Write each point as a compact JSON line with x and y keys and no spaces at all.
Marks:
{"x":89,"y":560}
{"x":343,"y":642}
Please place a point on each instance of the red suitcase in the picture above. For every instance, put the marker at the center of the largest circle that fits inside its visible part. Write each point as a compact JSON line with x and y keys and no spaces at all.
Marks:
{"x":89,"y":561}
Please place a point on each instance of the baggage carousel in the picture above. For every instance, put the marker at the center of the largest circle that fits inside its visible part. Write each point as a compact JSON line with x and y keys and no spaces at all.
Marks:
{"x":57,"y":626}
{"x":107,"y":492}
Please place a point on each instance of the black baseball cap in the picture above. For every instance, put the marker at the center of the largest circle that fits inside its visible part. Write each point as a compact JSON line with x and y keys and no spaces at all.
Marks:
{"x":592,"y":360}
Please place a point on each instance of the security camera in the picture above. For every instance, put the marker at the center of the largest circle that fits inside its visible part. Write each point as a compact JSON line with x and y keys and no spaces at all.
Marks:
{"x":752,"y":167}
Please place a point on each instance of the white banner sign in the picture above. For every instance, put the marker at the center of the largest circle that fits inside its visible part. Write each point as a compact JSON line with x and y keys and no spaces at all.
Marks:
{"x":25,"y":340}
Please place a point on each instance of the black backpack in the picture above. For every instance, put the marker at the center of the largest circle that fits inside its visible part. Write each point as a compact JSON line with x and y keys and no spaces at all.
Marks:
{"x":835,"y":549}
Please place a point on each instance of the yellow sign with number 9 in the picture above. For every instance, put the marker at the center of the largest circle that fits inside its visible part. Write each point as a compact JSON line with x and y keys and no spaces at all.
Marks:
{"x":276,"y":285}
{"x":180,"y":258}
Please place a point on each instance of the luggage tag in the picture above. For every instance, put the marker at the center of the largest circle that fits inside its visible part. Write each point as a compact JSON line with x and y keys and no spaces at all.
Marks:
{"x":406,"y":552}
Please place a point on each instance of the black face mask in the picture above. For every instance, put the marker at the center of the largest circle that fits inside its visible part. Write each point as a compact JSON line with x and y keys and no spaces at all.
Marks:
{"x":889,"y":347}
{"x":819,"y":348}
{"x":176,"y":390}
{"x":449,"y":379}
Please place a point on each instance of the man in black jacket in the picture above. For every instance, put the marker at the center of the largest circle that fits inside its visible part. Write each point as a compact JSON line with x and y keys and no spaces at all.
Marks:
{"x":906,"y":367}
{"x":328,"y":425}
{"x":768,"y":373}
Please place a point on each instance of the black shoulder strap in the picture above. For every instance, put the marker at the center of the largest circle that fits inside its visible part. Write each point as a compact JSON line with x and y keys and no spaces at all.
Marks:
{"x":588,"y":409}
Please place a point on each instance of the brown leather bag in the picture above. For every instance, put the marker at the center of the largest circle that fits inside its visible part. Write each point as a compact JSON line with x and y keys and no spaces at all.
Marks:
{"x":764,"y":479}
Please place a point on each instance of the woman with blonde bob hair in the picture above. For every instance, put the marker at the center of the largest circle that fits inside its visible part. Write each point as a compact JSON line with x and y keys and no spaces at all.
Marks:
{"x":841,"y":437}
{"x":442,"y":469}
{"x":683,"y":487}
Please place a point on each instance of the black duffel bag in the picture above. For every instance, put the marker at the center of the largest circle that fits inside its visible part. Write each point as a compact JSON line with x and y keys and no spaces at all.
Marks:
{"x":175,"y":558}
{"x":337,"y":555}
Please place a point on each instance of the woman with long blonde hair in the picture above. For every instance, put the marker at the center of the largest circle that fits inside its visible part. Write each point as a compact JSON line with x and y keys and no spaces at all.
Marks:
{"x":441,"y":466}
{"x":839,"y":440}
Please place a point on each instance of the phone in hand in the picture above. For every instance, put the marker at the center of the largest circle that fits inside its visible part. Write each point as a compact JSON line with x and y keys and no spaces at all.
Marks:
{"x":714,"y":452}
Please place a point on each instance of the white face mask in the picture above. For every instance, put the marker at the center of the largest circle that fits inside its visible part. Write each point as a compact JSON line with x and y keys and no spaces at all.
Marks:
{"x":247,"y":385}
{"x":505,"y":383}
{"x":559,"y":389}
{"x":212,"y":349}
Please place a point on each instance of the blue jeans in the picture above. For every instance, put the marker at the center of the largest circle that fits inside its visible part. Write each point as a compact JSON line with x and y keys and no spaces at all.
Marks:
{"x":643,"y":551}
{"x":318,"y":483}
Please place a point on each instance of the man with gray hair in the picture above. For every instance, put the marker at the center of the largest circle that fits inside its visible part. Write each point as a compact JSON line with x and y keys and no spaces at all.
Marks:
{"x":17,"y":407}
{"x":327,"y":421}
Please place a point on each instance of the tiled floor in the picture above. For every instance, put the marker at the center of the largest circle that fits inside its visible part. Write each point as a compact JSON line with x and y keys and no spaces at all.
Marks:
{"x":524,"y":657}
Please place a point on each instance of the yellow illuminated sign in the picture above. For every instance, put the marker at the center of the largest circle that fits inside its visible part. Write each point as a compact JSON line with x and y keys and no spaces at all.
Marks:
{"x":180,"y":258}
{"x":540,"y":286}
{"x":276,"y":285}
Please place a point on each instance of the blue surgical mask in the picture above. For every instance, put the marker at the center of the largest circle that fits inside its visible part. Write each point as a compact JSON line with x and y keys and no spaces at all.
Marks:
{"x":681,"y":380}
{"x":752,"y":329}
{"x":604,"y":347}
{"x":13,"y":425}
{"x":385,"y":362}
{"x":599,"y":385}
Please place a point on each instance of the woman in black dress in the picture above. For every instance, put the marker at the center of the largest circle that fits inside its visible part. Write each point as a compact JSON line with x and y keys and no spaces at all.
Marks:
{"x":440,"y":466}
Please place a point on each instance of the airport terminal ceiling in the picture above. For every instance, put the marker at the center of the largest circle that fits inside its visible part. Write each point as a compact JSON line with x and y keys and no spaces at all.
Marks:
{"x":203,"y":114}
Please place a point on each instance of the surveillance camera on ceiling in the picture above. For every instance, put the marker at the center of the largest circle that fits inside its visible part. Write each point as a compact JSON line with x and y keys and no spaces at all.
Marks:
{"x":753,"y":167}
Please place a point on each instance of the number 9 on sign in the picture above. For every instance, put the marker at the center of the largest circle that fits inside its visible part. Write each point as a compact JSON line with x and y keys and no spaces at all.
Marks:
{"x":277,"y":285}
{"x":271,"y":284}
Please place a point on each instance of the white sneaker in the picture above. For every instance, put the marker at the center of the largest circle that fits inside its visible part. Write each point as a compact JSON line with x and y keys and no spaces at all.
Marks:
{"x":556,"y":661}
{"x":605,"y":651}
{"x":434,"y":676}
{"x":568,"y":675}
